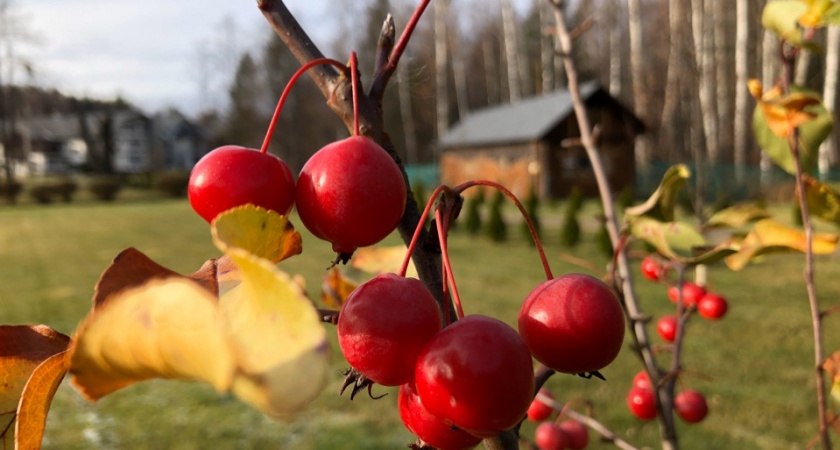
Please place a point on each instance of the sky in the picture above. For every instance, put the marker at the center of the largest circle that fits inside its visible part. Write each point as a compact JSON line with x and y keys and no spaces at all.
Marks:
{"x":148,"y":51}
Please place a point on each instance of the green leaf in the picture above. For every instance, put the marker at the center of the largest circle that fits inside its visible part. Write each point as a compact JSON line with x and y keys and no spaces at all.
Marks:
{"x":782,"y":16}
{"x":812,"y":134}
{"x":660,"y":205}
{"x":675,"y":240}
{"x":737,"y":215}
{"x":823,"y":201}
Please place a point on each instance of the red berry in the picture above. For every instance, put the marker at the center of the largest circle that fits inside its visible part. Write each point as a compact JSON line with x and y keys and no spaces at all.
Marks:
{"x":691,"y":293}
{"x":642,"y":380}
{"x":667,"y":328}
{"x":549,"y":436}
{"x":577,"y":436}
{"x":572,"y":323}
{"x":232,"y":176}
{"x":351,"y":193}
{"x":642,"y":403}
{"x":539,"y":411}
{"x":651,"y":269}
{"x":691,"y":406}
{"x":431,"y":430}
{"x":476,"y":374}
{"x":712,"y":306}
{"x":383,"y":326}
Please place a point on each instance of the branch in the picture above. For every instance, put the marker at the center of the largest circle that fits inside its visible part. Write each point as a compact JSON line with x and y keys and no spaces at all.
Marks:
{"x":377,"y":88}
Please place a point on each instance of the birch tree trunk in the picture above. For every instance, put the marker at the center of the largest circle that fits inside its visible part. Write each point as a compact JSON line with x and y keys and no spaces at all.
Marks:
{"x":723,"y":83}
{"x":803,"y":62}
{"x":704,"y":61}
{"x":460,"y":75}
{"x":828,"y":149}
{"x":676,"y":63}
{"x":769,"y":72}
{"x":491,"y":73}
{"x":742,"y":95}
{"x":441,"y":68}
{"x":511,"y":53}
{"x":637,"y":68}
{"x":546,"y":47}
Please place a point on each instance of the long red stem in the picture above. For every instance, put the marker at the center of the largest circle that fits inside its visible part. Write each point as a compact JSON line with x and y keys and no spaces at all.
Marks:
{"x":462,"y":187}
{"x":443,"y":230}
{"x":420,"y":224}
{"x":354,"y":81}
{"x":288,"y":89}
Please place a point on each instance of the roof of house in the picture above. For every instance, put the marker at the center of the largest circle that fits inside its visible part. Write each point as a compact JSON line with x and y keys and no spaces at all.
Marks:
{"x":526,"y":120}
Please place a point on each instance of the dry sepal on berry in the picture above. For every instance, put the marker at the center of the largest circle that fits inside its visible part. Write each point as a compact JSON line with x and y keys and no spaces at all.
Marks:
{"x":572,"y":323}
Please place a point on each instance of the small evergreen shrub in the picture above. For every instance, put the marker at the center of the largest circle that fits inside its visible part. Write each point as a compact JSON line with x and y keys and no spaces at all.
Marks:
{"x":570,"y":229}
{"x":172,"y":184}
{"x":105,"y":187}
{"x":65,"y":188}
{"x":496,"y":228}
{"x":42,"y":193}
{"x":10,"y":191}
{"x":472,"y":220}
{"x":531,"y":204}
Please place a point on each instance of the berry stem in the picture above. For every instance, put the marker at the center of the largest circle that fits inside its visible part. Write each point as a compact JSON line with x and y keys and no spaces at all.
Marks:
{"x":462,"y":187}
{"x":288,"y":89}
{"x":419,"y":229}
{"x":354,"y":81}
{"x":443,"y":231}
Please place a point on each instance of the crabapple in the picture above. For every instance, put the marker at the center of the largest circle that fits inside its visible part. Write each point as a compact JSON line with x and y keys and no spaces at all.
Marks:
{"x":431,"y":430}
{"x":549,"y":436}
{"x":652,"y":269}
{"x":691,"y":406}
{"x":667,"y":328}
{"x":691,"y":293}
{"x":642,"y":380}
{"x":384,"y":324}
{"x":712,"y":306}
{"x":539,"y":411}
{"x":351,"y":193}
{"x":642,"y":403}
{"x":577,"y":436}
{"x":232,"y":176}
{"x":572,"y":323}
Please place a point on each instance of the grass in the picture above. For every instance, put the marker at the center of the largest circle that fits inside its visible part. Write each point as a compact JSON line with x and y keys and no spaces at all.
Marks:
{"x":755,"y":366}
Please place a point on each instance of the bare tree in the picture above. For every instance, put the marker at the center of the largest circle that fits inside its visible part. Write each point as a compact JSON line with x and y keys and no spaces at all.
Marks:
{"x":703,"y":55}
{"x":803,"y":63}
{"x":721,"y":13}
{"x":769,"y":73}
{"x":441,"y":67}
{"x":615,"y":8}
{"x":637,"y":68}
{"x":828,"y":149}
{"x":742,"y":94}
{"x":409,"y":129}
{"x":546,"y":46}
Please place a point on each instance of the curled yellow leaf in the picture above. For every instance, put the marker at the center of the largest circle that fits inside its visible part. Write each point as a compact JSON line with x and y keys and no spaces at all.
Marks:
{"x":262,"y":232}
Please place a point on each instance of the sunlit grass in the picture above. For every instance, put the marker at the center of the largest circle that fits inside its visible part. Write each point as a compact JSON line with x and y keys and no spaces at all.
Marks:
{"x":755,"y":366}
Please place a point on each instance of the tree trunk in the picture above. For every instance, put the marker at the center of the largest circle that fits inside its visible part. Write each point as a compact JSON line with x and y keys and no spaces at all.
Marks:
{"x":406,"y":112}
{"x":637,"y":68}
{"x":803,"y":62}
{"x":704,"y":62}
{"x":676,"y":63}
{"x":511,"y":53}
{"x":742,"y":95}
{"x":460,"y":76}
{"x":828,"y":149}
{"x":546,"y":47}
{"x":615,"y":48}
{"x":441,"y":68}
{"x":769,"y":70}
{"x":491,"y":73}
{"x":723,"y":83}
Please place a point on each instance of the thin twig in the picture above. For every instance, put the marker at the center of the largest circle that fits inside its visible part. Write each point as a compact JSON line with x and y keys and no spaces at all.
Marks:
{"x":590,"y":422}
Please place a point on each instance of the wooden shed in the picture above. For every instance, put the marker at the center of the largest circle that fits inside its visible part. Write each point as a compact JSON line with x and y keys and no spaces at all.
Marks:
{"x":532,"y":143}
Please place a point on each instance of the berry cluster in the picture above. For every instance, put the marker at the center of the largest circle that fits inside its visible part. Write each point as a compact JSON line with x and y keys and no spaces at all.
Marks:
{"x":555,"y":434}
{"x":690,"y":405}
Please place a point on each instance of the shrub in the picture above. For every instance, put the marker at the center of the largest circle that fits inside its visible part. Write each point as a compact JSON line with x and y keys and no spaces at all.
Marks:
{"x":496,"y":228}
{"x":472,"y":221}
{"x":172,"y":184}
{"x":10,"y":190}
{"x":65,"y":188}
{"x":419,"y":190}
{"x":42,"y":193}
{"x":570,"y":230}
{"x":105,"y":187}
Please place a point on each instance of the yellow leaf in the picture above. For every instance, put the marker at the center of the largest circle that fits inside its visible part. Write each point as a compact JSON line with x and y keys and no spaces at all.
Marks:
{"x":377,"y":260}
{"x":277,"y":337}
{"x":336,"y":288}
{"x":36,"y":400}
{"x":22,"y":350}
{"x":813,"y":17}
{"x":770,"y":236}
{"x":264,"y":233}
{"x":755,"y":88}
{"x":165,"y":328}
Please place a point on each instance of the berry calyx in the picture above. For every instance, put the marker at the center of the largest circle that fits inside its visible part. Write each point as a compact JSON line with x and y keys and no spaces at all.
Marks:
{"x":712,"y":306}
{"x":652,"y":269}
{"x":384,"y":324}
{"x":539,"y":411}
{"x":691,"y":406}
{"x":549,"y":436}
{"x":667,"y":328}
{"x":572,"y":323}
{"x":431,"y":430}
{"x":577,"y":435}
{"x":232,"y":176}
{"x":476,"y":374}
{"x":642,"y":404}
{"x":351,"y":193}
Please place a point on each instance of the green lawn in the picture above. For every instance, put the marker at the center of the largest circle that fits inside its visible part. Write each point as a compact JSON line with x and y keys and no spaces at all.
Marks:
{"x":755,"y":366}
